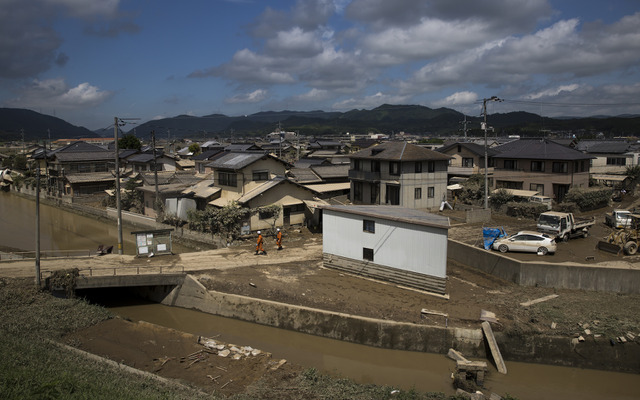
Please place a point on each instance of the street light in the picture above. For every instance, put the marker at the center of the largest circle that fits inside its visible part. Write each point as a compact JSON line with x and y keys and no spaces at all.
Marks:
{"x":486,"y":158}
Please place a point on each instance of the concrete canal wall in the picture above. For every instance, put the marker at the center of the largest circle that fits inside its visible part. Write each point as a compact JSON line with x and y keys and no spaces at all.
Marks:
{"x":543,"y":274}
{"x":552,"y":350}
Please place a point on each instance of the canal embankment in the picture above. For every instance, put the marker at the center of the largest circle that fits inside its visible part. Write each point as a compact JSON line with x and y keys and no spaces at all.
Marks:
{"x":595,"y":353}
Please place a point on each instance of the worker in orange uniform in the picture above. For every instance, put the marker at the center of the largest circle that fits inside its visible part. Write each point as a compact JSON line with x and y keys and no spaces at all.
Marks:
{"x":259,"y":245}
{"x":279,"y":239}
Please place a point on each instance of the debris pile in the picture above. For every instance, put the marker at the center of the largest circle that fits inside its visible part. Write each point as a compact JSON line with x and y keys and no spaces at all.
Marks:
{"x":228,"y":350}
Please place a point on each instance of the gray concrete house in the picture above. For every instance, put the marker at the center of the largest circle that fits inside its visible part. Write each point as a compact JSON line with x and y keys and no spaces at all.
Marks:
{"x":398,"y":173}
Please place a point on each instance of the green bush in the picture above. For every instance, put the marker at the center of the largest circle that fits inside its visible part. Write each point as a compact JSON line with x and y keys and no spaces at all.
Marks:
{"x":499,"y":198}
{"x":589,"y":199}
{"x":568,"y":207}
{"x":472,"y":190}
{"x":525,"y":210}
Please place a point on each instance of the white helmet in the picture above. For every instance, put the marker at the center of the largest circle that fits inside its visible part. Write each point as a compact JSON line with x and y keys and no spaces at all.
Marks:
{"x":278,"y":229}
{"x":259,"y":232}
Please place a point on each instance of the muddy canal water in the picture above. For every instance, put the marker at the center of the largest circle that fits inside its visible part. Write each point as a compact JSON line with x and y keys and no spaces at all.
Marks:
{"x":59,"y":229}
{"x":364,"y":364}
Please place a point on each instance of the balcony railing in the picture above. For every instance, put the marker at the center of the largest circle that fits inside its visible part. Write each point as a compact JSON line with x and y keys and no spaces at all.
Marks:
{"x":364,"y":175}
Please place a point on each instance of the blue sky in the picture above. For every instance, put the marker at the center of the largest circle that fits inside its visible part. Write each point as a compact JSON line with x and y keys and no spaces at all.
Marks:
{"x":87,"y":61}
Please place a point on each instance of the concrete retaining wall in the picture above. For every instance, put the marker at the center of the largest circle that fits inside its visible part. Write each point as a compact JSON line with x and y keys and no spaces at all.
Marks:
{"x":553,"y":350}
{"x":561,"y":276}
{"x":478,"y":215}
{"x":361,"y":330}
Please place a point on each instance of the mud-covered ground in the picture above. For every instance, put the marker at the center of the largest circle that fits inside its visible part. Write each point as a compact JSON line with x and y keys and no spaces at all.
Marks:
{"x":282,"y":276}
{"x":295,"y":275}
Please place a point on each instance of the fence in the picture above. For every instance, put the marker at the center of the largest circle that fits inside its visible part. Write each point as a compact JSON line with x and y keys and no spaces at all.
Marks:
{"x":44,"y":254}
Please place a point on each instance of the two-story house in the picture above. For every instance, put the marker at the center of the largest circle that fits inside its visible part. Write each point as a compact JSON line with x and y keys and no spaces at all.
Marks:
{"x":540,"y":165}
{"x":78,"y":169}
{"x":468,"y":159}
{"x":256,"y":180}
{"x":611,"y":156}
{"x":398,"y":173}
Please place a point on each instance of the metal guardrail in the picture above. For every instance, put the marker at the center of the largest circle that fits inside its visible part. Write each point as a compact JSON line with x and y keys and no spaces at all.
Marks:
{"x":124,"y":270}
{"x":44,"y":254}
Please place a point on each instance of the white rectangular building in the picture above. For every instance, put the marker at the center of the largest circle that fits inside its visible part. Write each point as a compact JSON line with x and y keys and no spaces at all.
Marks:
{"x":401,"y":245}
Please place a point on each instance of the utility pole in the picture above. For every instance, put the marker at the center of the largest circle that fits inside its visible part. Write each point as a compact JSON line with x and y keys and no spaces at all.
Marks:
{"x":486,"y":158}
{"x":156,"y":203}
{"x":38,"y":226}
{"x":116,"y":123}
{"x":464,"y":127}
{"x":118,"y":206}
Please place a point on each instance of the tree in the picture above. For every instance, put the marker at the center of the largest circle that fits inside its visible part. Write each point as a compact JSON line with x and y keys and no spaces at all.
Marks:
{"x":129,"y":141}
{"x":194,"y":148}
{"x":633,"y":172}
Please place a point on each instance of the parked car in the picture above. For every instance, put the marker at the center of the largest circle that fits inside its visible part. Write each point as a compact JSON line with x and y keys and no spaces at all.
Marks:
{"x":527,"y":241}
{"x":618,"y":218}
{"x":547,"y":201}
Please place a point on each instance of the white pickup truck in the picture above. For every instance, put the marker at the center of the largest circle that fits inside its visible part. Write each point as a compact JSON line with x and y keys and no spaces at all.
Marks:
{"x":563,"y":226}
{"x":618,"y":218}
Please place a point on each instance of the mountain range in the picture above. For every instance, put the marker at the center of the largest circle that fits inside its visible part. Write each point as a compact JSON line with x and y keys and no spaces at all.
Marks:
{"x":387,"y":119}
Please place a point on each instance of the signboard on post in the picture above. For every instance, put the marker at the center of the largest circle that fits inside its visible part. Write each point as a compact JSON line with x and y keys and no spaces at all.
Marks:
{"x":153,"y":242}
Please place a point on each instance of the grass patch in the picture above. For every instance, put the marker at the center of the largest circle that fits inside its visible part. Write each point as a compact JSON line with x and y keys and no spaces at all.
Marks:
{"x":31,"y":368}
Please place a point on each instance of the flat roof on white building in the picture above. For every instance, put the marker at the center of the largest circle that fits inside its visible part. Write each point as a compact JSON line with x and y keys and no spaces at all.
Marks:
{"x":394,"y":213}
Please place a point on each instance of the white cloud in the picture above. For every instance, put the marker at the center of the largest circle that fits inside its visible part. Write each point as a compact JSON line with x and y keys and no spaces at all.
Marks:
{"x":314,"y":95}
{"x":552,"y":91}
{"x":87,"y":8}
{"x":254,"y":97}
{"x":55,"y":92}
{"x":456,"y":99}
{"x":369,"y":101}
{"x":427,"y":39}
{"x":294,"y":41}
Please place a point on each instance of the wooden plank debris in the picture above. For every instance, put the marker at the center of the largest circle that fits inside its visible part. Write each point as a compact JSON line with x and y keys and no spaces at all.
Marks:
{"x":540,"y":300}
{"x":493,"y":346}
{"x":431,"y":312}
{"x":488,"y":316}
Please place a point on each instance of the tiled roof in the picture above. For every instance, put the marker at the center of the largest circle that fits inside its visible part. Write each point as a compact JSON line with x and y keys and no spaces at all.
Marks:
{"x":235,"y":161}
{"x":475,"y":148}
{"x":141,"y":158}
{"x":399,"y":151}
{"x":611,"y":147}
{"x":539,"y":149}
{"x":303,"y":175}
{"x":90,"y":177}
{"x":331,"y":171}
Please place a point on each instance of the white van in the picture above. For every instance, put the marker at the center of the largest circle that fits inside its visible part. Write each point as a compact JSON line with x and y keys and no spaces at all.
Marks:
{"x":542,"y":200}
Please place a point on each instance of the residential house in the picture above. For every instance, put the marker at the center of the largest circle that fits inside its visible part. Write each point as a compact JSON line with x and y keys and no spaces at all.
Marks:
{"x":402,"y":245}
{"x":398,"y":173}
{"x":237,"y":173}
{"x":468,"y":159}
{"x":257,"y":180}
{"x":241,"y":147}
{"x":329,"y":181}
{"x":363,"y":143}
{"x":143,"y":162}
{"x":170,"y":188}
{"x":78,"y":169}
{"x":204,"y":158}
{"x":540,"y":165}
{"x":611,"y":157}
{"x":279,"y":191}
